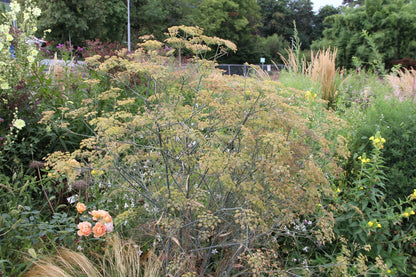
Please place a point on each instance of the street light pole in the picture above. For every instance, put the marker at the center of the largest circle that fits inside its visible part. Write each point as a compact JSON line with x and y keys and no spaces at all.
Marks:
{"x":128,"y":26}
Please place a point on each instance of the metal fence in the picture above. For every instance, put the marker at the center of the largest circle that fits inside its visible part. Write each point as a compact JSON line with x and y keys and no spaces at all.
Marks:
{"x":244,"y":69}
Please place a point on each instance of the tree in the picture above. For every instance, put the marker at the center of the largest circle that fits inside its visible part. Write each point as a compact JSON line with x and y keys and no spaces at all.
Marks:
{"x":390,"y":24}
{"x":278,"y":17}
{"x":155,"y":16}
{"x":233,"y":20}
{"x":352,"y":3}
{"x":77,"y":21}
{"x":318,"y":22}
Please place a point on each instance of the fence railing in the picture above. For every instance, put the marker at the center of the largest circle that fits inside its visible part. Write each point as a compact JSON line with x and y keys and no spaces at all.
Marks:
{"x":243,"y":69}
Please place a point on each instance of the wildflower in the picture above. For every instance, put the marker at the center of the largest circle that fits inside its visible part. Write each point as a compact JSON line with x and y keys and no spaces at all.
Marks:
{"x":370,"y":224}
{"x":361,"y":188}
{"x":19,"y":124}
{"x":98,"y":230}
{"x":364,"y":159}
{"x":97,"y":172}
{"x":9,"y":37}
{"x":30,"y":59}
{"x":378,"y":225}
{"x":4,"y":85}
{"x":84,"y":229}
{"x":81,"y":207}
{"x":412,"y":212}
{"x":377,"y":140}
{"x":310,"y":95}
{"x":15,"y":7}
{"x":36,"y":11}
{"x":405,"y":214}
{"x":413,"y":195}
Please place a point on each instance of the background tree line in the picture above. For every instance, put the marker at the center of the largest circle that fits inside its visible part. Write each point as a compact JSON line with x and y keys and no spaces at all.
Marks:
{"x":261,"y":28}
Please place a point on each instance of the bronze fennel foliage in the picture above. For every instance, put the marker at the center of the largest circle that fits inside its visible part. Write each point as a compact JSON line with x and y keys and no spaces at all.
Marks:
{"x":224,"y":163}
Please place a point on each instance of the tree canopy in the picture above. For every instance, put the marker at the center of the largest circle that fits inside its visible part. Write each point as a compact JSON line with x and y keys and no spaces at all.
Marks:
{"x":389,"y":24}
{"x":260,"y":28}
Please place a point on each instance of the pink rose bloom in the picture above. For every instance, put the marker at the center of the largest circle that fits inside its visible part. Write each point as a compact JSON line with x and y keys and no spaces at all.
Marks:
{"x":84,"y":229}
{"x":109,"y":227}
{"x":98,"y":230}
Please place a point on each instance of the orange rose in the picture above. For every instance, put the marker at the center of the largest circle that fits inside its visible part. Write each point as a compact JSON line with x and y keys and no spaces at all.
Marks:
{"x":107,"y":218}
{"x":81,"y":207}
{"x":98,"y":214}
{"x":98,"y":230}
{"x":84,"y":229}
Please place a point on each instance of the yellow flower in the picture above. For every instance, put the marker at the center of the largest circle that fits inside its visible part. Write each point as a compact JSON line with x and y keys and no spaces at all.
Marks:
{"x":364,"y":160}
{"x":9,"y":37}
{"x":405,"y":214}
{"x":361,"y":188}
{"x":378,"y":225}
{"x":31,"y":59}
{"x":370,"y":223}
{"x":19,"y":124}
{"x":412,"y":212}
{"x":97,"y":172}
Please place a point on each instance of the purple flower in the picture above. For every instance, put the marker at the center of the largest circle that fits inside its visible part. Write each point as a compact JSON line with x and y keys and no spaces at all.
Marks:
{"x":80,"y":49}
{"x":60,"y":46}
{"x":1,"y":119}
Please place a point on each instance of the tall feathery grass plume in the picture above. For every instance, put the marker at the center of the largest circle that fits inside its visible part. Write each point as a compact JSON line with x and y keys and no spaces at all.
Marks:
{"x":322,"y":70}
{"x":120,"y":258}
{"x":403,"y":84}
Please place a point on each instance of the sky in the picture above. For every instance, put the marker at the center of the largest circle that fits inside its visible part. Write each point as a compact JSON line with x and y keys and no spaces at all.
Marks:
{"x":317,"y":4}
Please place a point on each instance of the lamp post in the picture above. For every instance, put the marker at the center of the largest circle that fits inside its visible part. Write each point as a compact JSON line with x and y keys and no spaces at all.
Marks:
{"x":128,"y":26}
